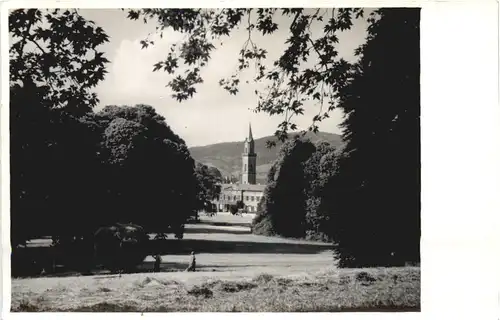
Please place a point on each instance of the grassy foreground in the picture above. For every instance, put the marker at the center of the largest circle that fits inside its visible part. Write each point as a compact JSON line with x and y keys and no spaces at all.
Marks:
{"x":381,"y":289}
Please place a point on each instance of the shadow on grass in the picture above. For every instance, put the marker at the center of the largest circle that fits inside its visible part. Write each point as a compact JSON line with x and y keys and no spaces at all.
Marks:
{"x":185,"y":246}
{"x":145,"y":267}
{"x":200,"y":229}
{"x":148,"y":266}
{"x":223,"y":224}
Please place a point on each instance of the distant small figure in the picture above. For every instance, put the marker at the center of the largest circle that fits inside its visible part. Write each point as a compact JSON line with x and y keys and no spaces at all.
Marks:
{"x":43,"y":272}
{"x":158,"y":260}
{"x":192,"y":263}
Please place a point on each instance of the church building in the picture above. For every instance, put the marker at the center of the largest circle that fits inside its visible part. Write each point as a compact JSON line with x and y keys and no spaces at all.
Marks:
{"x":247,"y":190}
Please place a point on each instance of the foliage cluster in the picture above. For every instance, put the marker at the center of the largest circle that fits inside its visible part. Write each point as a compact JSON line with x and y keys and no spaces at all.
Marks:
{"x":74,"y":169}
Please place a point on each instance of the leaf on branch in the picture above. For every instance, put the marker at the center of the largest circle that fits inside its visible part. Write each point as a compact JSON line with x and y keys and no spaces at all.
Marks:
{"x":270,"y":144}
{"x":144,"y":44}
{"x":133,"y":14}
{"x":157,"y":66}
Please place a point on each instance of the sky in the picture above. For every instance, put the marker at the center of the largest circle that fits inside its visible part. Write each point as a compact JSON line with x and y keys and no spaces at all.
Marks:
{"x":212,"y":115}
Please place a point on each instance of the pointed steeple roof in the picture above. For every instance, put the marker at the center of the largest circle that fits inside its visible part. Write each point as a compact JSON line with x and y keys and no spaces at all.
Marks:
{"x":250,"y":137}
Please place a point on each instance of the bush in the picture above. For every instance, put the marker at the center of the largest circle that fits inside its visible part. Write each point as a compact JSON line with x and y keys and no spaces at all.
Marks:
{"x":313,"y":235}
{"x":262,"y":225}
{"x":121,"y":246}
{"x":240,"y":204}
{"x":233,"y":209}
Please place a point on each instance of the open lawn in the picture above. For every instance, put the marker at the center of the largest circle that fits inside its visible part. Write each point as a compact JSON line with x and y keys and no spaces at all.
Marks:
{"x":226,"y":218}
{"x":236,"y":271}
{"x":385,"y":289}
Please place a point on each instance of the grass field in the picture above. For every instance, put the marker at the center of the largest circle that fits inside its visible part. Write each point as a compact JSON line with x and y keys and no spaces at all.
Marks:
{"x":394,"y":289}
{"x":236,"y":271}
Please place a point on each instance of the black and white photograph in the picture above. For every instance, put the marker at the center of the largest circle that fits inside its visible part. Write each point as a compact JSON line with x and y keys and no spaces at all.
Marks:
{"x":215,"y":159}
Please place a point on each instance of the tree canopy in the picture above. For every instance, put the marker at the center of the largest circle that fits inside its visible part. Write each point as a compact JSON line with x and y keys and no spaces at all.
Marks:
{"x":150,"y":170}
{"x":290,"y":80}
{"x":72,"y":169}
{"x":54,"y":64}
{"x":58,"y":50}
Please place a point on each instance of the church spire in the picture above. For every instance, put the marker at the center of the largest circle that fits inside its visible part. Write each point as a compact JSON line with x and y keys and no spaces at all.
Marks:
{"x":250,"y":137}
{"x":249,"y":159}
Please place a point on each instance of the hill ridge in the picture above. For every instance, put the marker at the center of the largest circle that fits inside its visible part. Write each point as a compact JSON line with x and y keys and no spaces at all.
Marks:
{"x":226,"y":156}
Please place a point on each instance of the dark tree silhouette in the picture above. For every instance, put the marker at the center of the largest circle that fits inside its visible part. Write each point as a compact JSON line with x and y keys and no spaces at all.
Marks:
{"x":378,"y":174}
{"x":54,"y":64}
{"x":151,"y":174}
{"x":285,"y":200}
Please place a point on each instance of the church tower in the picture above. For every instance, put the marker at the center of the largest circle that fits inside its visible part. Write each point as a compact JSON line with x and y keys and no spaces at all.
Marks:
{"x":249,"y":158}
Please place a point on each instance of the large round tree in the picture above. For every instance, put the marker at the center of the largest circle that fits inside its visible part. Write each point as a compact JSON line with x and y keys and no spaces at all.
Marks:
{"x":149,"y":170}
